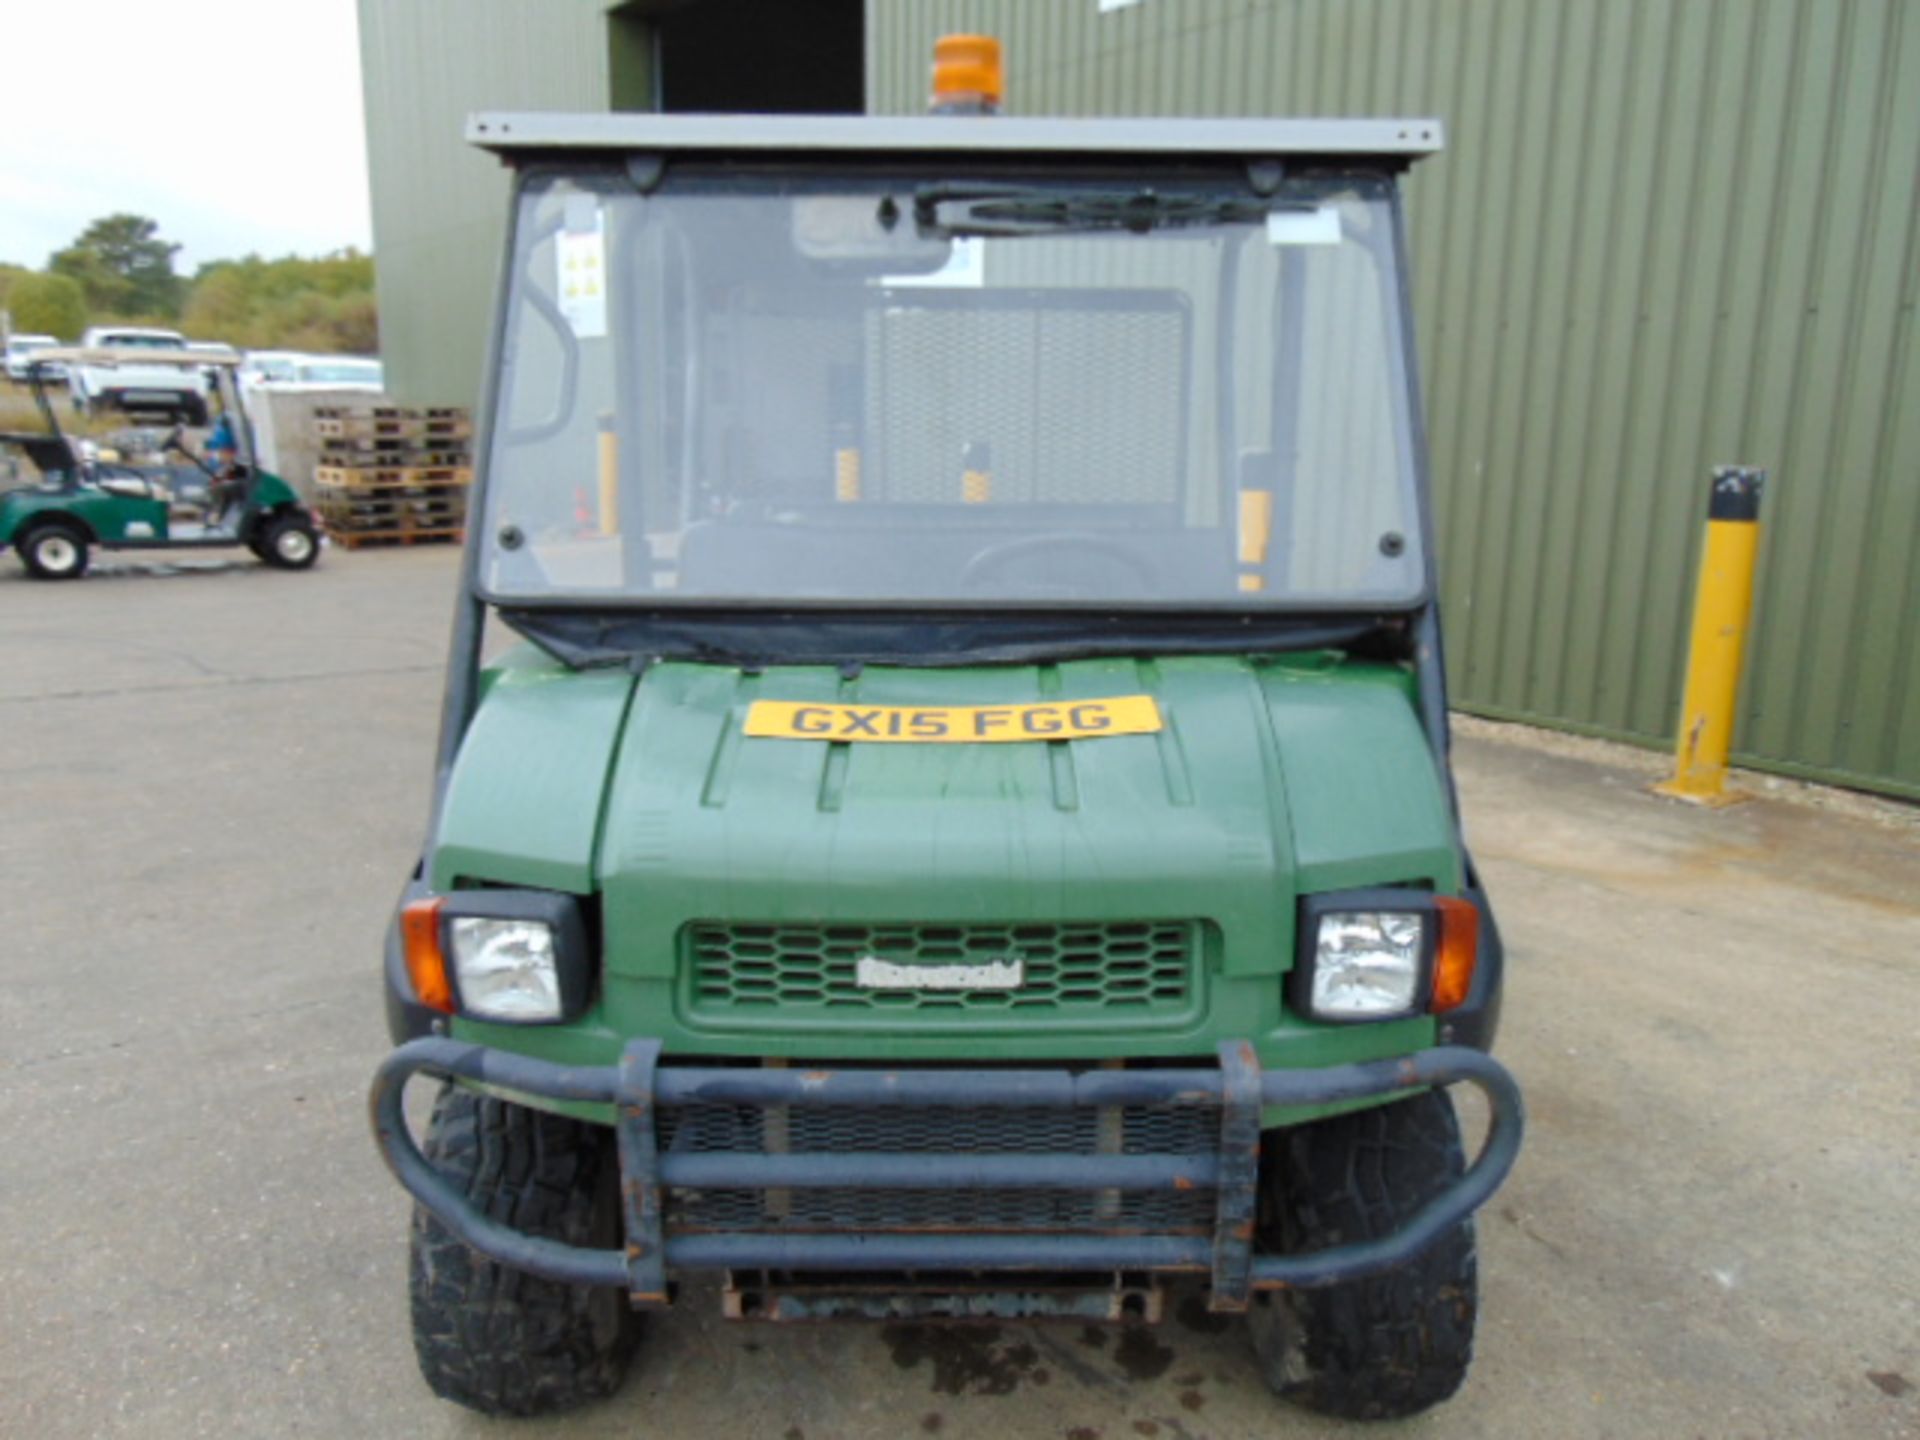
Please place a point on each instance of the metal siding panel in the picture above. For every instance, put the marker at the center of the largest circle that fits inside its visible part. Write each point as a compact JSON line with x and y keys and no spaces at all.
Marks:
{"x":1477,"y":378}
{"x":1592,"y":674}
{"x":1659,"y":498}
{"x":1776,"y":382}
{"x":1665,"y":235}
{"x":1536,"y":338}
{"x":1884,"y":647}
{"x":1843,"y":432}
{"x":439,"y":206}
{"x":1509,"y":484}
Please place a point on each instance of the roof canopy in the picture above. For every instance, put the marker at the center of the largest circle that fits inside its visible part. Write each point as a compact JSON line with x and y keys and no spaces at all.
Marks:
{"x":110,"y":356}
{"x":1398,"y":142}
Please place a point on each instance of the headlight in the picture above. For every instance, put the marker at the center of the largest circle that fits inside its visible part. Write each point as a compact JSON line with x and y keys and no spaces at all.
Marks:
{"x":505,"y":969}
{"x":1365,"y":955}
{"x":517,"y":957}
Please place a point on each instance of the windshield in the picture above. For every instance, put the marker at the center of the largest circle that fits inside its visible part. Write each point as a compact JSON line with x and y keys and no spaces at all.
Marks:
{"x":880,"y":391}
{"x":143,"y":342}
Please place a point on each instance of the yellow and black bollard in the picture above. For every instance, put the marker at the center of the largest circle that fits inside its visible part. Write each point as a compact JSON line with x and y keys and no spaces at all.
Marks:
{"x":976,"y":473}
{"x":1256,"y":532}
{"x":609,"y":455}
{"x":846,"y":474}
{"x":1721,"y":609}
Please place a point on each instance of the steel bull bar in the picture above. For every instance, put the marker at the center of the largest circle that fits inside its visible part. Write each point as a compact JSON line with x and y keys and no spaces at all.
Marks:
{"x":639,"y":1087}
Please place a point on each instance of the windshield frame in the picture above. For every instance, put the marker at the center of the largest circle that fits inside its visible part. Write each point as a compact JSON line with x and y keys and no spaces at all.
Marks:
{"x":644,"y":173}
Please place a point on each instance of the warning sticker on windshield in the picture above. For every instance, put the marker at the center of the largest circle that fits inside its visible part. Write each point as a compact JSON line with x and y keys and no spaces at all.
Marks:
{"x":954,"y":724}
{"x":580,"y":250}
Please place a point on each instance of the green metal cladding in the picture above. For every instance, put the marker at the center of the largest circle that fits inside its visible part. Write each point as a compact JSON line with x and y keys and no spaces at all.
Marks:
{"x":1666,"y":234}
{"x":440,"y":206}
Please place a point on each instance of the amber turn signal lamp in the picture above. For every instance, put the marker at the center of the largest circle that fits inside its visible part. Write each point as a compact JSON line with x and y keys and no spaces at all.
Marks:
{"x":966,"y":73}
{"x":426,"y":962}
{"x":1454,"y":956}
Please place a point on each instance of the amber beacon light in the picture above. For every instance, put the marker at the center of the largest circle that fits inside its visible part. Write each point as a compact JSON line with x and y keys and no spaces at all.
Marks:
{"x":966,"y":75}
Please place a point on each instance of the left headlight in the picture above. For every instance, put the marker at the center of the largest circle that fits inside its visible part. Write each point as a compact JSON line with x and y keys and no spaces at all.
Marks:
{"x":505,"y":969}
{"x":1384,"y":954}
{"x":1365,"y":955}
{"x":516,"y":957}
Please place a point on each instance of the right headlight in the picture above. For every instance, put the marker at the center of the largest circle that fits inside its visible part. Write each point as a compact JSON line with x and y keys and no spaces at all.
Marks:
{"x":1383,"y":954}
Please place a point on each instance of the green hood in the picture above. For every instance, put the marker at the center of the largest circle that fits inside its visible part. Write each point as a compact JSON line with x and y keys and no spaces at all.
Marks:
{"x":1270,"y":778}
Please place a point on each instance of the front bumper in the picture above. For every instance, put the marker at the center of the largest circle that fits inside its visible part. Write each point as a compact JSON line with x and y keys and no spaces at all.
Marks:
{"x":643,"y":1090}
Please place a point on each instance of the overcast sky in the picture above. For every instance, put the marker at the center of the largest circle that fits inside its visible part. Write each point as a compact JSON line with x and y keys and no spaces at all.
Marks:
{"x":234,"y":123}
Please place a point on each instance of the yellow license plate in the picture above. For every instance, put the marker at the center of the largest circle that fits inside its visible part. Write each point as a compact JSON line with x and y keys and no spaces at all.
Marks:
{"x":954,"y":724}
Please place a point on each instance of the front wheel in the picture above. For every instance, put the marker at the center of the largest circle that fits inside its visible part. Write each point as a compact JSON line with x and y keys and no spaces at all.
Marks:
{"x":54,"y":551}
{"x":288,"y":542}
{"x":1390,"y":1345}
{"x":498,"y":1340}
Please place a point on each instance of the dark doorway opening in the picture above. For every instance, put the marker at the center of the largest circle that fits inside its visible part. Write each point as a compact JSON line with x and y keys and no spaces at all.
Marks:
{"x":765,"y":56}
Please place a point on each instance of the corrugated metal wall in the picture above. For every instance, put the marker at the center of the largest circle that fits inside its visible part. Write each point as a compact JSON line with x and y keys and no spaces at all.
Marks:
{"x":1667,"y":233}
{"x":439,"y":206}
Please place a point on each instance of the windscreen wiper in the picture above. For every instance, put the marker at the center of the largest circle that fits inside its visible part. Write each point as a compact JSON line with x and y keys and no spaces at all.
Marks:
{"x":947,"y":211}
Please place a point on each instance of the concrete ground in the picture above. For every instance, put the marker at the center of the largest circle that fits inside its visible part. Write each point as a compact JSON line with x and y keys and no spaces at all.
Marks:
{"x":212,"y":782}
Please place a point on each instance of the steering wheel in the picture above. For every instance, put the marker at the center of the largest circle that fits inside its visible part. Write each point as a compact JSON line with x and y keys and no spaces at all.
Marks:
{"x":978,"y":570}
{"x":177,"y":441}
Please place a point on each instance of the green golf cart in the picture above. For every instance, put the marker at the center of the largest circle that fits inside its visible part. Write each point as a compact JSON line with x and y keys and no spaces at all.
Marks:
{"x":83,"y":501}
{"x":964,"y":829}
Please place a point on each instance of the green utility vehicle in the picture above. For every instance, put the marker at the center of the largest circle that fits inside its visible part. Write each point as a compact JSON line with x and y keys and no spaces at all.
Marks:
{"x":964,"y":829}
{"x":83,"y":501}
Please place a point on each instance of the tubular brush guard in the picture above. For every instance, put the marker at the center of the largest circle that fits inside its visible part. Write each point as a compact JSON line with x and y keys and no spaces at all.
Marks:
{"x":639,"y":1087}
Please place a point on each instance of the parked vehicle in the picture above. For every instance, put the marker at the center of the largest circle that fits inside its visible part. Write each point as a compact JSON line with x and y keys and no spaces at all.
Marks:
{"x":21,"y":348}
{"x":141,"y":372}
{"x":290,"y":372}
{"x":82,"y":502}
{"x":968,"y":829}
{"x":262,"y":366}
{"x":342,"y":372}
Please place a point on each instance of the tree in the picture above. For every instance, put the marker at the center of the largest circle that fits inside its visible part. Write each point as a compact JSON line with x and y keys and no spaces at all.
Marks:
{"x":9,"y":274}
{"x":47,"y":305}
{"x":124,"y":267}
{"x":323,"y":304}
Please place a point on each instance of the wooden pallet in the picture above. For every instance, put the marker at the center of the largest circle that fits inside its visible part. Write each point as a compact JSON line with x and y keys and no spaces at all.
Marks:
{"x":375,"y":427}
{"x":355,"y":539}
{"x":348,"y":447}
{"x":337,"y":428}
{"x":340,"y":457}
{"x":430,"y":490}
{"x":368,"y":412}
{"x":351,"y":518}
{"x":376,"y":477}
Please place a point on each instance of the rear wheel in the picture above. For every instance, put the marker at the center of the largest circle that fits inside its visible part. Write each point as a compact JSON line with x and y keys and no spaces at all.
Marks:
{"x":288,"y":541}
{"x":1393,"y":1344}
{"x":498,"y":1340}
{"x":54,"y":550}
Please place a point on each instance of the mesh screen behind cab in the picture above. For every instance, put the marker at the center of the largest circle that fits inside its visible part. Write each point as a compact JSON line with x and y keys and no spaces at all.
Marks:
{"x":1077,"y":404}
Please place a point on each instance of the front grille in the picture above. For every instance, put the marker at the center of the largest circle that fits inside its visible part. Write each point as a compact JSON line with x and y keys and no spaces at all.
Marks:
{"x":1108,"y":969}
{"x":1129,"y":1130}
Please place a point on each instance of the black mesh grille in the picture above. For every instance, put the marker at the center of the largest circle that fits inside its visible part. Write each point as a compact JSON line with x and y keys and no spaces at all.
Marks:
{"x":1133,"y":1130}
{"x":1143,"y":967}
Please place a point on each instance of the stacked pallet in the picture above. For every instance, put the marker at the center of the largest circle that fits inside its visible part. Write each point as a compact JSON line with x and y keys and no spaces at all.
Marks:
{"x":389,"y":475}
